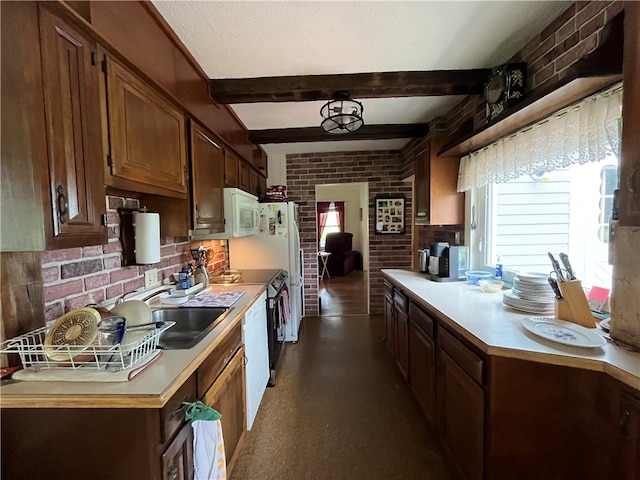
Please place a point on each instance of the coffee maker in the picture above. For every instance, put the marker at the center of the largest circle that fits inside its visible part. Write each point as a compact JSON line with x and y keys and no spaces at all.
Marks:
{"x":450,"y":262}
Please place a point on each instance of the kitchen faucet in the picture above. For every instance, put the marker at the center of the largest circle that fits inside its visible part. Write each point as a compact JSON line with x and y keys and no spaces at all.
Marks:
{"x":148,"y":297}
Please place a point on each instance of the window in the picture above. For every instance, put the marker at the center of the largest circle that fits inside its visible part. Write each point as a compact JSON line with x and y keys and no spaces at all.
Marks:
{"x":548,"y":188}
{"x":565,"y":210}
{"x":330,"y":220}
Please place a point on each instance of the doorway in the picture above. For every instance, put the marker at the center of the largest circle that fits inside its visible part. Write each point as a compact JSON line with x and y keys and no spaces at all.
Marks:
{"x":346,"y":292}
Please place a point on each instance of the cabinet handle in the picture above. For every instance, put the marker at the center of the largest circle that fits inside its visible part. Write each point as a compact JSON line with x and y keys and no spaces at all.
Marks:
{"x":246,"y":360}
{"x":624,"y":422}
{"x":63,"y":204}
{"x":421,"y":214}
{"x":172,"y":474}
{"x":632,"y":184}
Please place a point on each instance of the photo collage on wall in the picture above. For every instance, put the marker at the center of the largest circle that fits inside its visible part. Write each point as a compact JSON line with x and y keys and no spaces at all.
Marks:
{"x":389,"y":215}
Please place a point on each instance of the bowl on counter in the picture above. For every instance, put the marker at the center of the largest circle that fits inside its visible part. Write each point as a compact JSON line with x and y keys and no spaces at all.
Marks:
{"x":490,"y":285}
{"x":473,"y":276}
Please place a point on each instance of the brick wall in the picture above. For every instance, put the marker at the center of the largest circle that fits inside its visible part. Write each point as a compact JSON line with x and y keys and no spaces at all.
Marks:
{"x":382,"y":171}
{"x":568,"y":38}
{"x":71,"y":277}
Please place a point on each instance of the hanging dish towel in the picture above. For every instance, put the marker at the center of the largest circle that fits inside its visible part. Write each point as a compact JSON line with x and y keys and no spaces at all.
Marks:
{"x":286,"y":310}
{"x":208,"y":446}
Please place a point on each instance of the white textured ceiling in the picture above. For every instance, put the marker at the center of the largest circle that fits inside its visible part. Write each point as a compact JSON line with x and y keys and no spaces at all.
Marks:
{"x":240,"y":39}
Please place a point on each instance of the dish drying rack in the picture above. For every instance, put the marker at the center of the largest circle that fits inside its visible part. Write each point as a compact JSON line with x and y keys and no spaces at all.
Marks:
{"x":112,"y":358}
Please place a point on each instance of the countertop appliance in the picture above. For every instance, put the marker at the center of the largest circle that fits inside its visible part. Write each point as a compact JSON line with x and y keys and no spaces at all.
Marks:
{"x":241,"y":216}
{"x":277,"y":245}
{"x":423,"y":260}
{"x":453,"y":262}
{"x":436,"y":251}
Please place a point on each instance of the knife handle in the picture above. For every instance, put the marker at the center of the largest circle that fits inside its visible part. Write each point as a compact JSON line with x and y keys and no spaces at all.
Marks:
{"x":556,"y":267}
{"x":564,"y":258}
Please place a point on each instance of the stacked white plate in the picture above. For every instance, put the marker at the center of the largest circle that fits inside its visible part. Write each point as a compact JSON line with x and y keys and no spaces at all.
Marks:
{"x":531,"y":293}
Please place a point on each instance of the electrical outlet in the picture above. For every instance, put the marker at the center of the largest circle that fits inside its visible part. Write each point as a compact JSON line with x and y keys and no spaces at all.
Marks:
{"x":150,"y":278}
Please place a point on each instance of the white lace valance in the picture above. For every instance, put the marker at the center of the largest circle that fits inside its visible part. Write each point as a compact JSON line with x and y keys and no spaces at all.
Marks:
{"x":581,"y":133}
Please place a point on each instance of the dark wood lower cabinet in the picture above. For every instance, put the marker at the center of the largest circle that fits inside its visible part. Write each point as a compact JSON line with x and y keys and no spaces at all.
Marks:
{"x":629,"y":436}
{"x":177,"y":460}
{"x":460,"y":405}
{"x":422,"y":355}
{"x":402,"y":340}
{"x":226,"y":395}
{"x":502,"y":418}
{"x":389,"y":321}
{"x":126,"y":443}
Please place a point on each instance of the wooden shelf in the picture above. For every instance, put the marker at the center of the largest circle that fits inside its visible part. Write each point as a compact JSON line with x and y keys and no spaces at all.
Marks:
{"x":596,"y":71}
{"x":529,"y":112}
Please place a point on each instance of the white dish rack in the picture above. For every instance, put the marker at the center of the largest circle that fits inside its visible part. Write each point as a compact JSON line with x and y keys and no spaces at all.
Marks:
{"x":111,"y":358}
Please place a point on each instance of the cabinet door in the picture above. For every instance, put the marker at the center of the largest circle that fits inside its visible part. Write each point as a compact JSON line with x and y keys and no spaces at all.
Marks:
{"x":72,"y":114}
{"x":460,"y":407}
{"x":630,"y":163}
{"x":629,"y":431}
{"x":389,"y":324}
{"x":227,"y":396}
{"x":422,"y":193}
{"x":231,"y":174}
{"x":245,"y":175}
{"x":255,"y":188}
{"x":422,"y":357}
{"x":147,"y":135}
{"x":402,"y":341}
{"x":436,"y":180}
{"x":177,"y":460}
{"x":207,"y":172}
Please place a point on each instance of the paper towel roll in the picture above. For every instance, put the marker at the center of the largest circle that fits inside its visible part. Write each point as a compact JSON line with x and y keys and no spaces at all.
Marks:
{"x":147,"y":231}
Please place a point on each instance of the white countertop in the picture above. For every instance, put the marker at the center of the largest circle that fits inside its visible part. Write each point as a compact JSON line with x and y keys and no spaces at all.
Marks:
{"x":151,"y":389}
{"x":497,"y":330}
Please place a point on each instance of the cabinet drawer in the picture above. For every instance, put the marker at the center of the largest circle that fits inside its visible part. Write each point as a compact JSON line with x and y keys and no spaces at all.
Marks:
{"x":400,"y":299}
{"x":214,"y":364}
{"x":388,"y":289}
{"x":421,"y":319}
{"x":170,"y":417}
{"x":471,"y":363}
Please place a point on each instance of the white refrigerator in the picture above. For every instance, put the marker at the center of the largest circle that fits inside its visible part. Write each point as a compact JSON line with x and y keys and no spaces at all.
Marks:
{"x":277,"y":245}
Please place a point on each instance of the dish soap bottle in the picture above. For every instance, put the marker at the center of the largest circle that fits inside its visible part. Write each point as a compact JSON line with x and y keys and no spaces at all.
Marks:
{"x":183,"y":279}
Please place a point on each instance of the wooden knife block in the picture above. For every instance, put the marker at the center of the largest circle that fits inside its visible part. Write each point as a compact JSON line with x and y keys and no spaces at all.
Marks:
{"x":574,"y":307}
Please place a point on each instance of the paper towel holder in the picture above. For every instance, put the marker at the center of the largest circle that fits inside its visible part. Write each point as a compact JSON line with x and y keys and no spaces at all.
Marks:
{"x":128,"y":235}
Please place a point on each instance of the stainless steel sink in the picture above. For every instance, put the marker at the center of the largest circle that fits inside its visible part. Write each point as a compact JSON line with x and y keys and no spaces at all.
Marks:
{"x":192,"y":324}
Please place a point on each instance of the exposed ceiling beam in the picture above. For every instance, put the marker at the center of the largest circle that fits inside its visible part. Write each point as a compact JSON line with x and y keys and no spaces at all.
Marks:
{"x":360,"y":85}
{"x":316,"y":134}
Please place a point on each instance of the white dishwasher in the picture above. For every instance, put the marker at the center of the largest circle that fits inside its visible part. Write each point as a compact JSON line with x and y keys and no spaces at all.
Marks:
{"x":254,"y":336}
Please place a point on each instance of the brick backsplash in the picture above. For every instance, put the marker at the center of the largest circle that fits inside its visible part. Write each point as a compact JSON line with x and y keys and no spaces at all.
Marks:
{"x":383,"y":171}
{"x":73,"y":277}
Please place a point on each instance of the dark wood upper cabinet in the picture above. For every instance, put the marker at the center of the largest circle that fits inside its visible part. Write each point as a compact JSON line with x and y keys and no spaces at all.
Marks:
{"x":70,"y":74}
{"x":207,"y":188}
{"x":147,"y":136}
{"x":244,"y":172}
{"x":630,"y":163}
{"x":231,"y":170}
{"x":436,"y":178}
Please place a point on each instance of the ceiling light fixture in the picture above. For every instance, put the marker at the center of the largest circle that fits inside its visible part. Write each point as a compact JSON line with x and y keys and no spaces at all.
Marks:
{"x":341,"y":115}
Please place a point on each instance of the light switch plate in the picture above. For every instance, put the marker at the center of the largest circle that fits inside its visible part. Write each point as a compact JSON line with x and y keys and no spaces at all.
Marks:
{"x":150,"y":278}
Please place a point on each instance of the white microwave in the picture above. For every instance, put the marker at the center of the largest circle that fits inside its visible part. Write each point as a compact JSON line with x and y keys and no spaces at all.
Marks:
{"x":241,"y":216}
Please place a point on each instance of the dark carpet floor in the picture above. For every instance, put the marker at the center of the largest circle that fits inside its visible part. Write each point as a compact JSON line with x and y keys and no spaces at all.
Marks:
{"x":340,"y":410}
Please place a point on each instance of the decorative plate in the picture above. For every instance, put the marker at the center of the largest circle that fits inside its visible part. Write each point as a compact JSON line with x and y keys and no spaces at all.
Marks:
{"x":563,"y":332}
{"x":76,"y":329}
